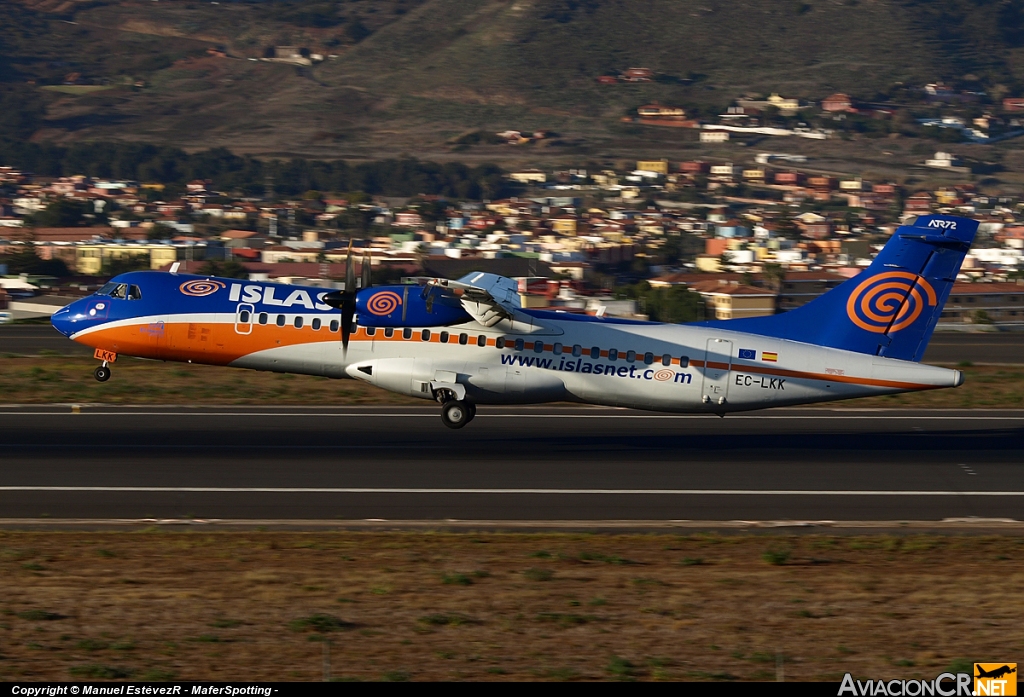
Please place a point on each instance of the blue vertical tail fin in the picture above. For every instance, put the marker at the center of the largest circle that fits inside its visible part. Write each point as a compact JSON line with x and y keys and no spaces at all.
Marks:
{"x":890,"y":309}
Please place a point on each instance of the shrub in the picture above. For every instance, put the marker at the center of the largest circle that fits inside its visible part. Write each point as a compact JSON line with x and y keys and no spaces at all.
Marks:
{"x":320,"y":622}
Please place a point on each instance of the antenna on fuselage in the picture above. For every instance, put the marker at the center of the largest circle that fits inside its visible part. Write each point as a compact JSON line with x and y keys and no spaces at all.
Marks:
{"x":175,"y":266}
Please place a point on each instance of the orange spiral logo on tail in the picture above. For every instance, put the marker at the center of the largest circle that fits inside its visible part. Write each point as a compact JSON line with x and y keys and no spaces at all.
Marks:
{"x":889,"y":301}
{"x":383,"y":303}
{"x":198,"y":289}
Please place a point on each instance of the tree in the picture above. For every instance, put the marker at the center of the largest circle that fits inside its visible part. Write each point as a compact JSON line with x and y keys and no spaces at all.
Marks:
{"x":27,"y":261}
{"x":161,"y":232}
{"x":62,"y":213}
{"x":225,"y":269}
{"x":115,"y":266}
{"x":774,"y":275}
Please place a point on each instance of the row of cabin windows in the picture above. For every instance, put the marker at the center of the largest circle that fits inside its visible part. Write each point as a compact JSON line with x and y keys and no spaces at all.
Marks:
{"x":481,"y":340}
{"x":594,"y":352}
{"x":244,"y":317}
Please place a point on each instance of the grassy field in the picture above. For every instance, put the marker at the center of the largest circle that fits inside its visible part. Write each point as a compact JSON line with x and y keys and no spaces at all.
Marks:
{"x":492,"y":606}
{"x":63,"y":379}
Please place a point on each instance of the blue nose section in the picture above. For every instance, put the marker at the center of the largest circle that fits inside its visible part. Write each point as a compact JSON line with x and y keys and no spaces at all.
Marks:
{"x":61,"y":321}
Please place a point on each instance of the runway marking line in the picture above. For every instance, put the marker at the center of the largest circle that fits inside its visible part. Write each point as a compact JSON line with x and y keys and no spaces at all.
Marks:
{"x":794,"y":417}
{"x":539,"y":491}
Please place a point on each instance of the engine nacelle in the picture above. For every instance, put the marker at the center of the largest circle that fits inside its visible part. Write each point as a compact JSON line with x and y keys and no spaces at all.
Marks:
{"x":408,"y":306}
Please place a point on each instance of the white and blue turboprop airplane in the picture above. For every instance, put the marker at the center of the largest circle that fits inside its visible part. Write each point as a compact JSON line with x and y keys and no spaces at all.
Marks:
{"x":469,"y":342}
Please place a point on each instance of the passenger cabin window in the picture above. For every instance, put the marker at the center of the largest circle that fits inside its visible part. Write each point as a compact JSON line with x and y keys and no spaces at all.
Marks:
{"x":444,"y":337}
{"x":613,"y":354}
{"x":121,"y":292}
{"x":481,"y":340}
{"x":557,"y":349}
{"x":334,"y":325}
{"x":499,"y":342}
{"x":520,"y":345}
{"x":389,"y":332}
{"x":595,"y":352}
{"x":134,"y":293}
{"x":407,"y":333}
{"x":463,"y":339}
{"x":631,"y":355}
{"x":538,"y":346}
{"x":666,"y":359}
{"x":298,"y":322}
{"x":244,"y":317}
{"x":425,"y":335}
{"x":280,"y":320}
{"x":316,"y":324}
{"x":577,"y":350}
{"x":263,"y":318}
{"x":684,"y":361}
{"x":648,"y":358}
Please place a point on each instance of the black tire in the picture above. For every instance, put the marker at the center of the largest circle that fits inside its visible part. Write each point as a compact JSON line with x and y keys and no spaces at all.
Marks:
{"x":472,"y":410}
{"x":455,"y":414}
{"x":102,"y":373}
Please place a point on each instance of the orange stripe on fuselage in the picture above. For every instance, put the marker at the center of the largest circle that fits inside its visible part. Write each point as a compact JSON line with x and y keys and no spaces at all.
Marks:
{"x":220,"y":344}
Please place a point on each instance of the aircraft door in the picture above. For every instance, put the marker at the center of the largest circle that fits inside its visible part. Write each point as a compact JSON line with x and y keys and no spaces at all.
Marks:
{"x":717,"y":364}
{"x":243,"y":318}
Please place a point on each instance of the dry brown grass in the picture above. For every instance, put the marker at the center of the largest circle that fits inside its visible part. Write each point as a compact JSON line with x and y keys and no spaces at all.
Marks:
{"x":63,"y":379}
{"x":440,"y":606}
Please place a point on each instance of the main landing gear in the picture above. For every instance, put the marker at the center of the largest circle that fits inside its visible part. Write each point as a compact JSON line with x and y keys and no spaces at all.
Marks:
{"x":455,"y":413}
{"x":102,"y":373}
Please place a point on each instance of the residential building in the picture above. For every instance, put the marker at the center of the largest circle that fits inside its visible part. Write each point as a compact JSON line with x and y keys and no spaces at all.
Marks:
{"x":838,"y":102}
{"x":714,"y":136}
{"x":656,"y":166}
{"x":733,"y":300}
{"x":984,"y":303}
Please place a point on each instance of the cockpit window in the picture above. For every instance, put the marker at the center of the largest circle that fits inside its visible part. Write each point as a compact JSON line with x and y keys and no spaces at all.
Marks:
{"x":120,"y":292}
{"x":107,"y":287}
{"x":134,"y":293}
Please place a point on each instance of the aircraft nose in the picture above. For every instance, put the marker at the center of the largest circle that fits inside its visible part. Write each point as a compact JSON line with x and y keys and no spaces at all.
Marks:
{"x":61,"y":320}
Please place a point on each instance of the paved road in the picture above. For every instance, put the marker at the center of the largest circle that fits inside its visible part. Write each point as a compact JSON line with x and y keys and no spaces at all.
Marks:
{"x":30,"y":339}
{"x":945,"y":347}
{"x":526,"y":464}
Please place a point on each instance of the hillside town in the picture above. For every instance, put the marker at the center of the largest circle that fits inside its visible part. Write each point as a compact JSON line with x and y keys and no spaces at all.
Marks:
{"x":749,"y":239}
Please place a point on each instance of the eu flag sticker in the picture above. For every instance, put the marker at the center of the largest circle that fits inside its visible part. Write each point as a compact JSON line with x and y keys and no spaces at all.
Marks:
{"x":748,"y":354}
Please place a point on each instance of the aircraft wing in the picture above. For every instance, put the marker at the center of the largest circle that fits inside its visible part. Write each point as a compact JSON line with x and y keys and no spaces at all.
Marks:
{"x":487,"y":297}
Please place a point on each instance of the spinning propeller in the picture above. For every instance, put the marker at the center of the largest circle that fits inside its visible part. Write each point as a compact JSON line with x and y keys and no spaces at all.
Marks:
{"x":345,"y":300}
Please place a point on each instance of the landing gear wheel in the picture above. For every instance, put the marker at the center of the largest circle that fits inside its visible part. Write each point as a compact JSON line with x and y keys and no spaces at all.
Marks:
{"x":102,"y":373}
{"x":456,"y":414}
{"x":472,"y":410}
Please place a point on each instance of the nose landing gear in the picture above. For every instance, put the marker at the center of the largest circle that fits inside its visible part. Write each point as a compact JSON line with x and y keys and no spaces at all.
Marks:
{"x":102,"y":373}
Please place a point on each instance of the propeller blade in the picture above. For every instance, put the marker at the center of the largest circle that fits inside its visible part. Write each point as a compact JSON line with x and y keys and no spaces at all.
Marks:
{"x":347,"y":313}
{"x":350,"y":272}
{"x":367,"y":279}
{"x":348,"y":299}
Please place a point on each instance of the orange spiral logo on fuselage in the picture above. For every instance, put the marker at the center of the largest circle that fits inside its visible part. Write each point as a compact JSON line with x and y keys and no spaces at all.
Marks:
{"x":664,"y":375}
{"x":383,"y":303}
{"x":889,"y":302}
{"x":198,"y":289}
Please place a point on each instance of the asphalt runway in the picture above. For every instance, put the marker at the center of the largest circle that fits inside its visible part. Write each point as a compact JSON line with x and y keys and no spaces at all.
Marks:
{"x":525,"y":464}
{"x":945,"y":347}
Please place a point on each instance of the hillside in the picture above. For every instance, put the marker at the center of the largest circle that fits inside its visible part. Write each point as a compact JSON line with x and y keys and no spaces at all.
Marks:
{"x":408,"y":76}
